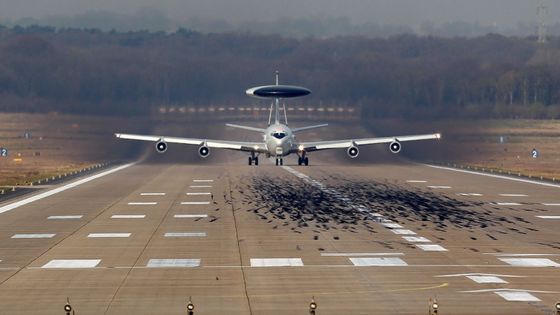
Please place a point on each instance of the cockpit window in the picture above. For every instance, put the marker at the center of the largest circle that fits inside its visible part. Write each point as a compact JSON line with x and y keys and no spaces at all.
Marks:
{"x":278,"y":135}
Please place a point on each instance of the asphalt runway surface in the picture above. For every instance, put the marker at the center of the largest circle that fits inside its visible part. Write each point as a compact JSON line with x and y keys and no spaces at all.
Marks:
{"x":379,"y":236}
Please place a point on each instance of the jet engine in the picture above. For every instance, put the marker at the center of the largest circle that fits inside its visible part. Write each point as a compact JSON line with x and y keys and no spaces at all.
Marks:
{"x":353,"y":152}
{"x":204,"y":151}
{"x":161,"y":146}
{"x":395,"y":146}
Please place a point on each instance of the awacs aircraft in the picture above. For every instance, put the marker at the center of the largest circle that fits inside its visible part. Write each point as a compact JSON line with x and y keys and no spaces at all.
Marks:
{"x":278,"y":139}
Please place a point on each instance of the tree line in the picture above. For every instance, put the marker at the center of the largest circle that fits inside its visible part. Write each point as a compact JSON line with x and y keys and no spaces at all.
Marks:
{"x":45,"y":69}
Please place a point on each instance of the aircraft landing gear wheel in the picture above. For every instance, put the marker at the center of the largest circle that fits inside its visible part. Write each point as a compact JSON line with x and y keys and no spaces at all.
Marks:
{"x":250,"y":161}
{"x":281,"y":161}
{"x":277,"y":162}
{"x":256,"y":161}
{"x":306,"y":161}
{"x":299,"y":161}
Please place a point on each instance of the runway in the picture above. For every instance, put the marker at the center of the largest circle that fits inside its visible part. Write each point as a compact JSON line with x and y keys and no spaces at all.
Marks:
{"x":371,"y":238}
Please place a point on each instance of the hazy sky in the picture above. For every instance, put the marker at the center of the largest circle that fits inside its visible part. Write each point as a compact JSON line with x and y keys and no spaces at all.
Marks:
{"x":410,"y":12}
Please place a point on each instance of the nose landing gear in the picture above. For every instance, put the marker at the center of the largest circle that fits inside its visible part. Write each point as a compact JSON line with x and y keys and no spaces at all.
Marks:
{"x":254,"y":159}
{"x":279,"y":161}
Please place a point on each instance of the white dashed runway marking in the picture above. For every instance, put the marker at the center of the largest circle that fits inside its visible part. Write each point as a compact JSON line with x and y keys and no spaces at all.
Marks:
{"x":551,"y":204}
{"x":152,"y":194}
{"x":416,"y":181}
{"x":142,"y":203}
{"x":359,"y":254}
{"x":128,"y":216}
{"x":190,"y":216}
{"x":65,"y":217}
{"x":514,"y":195}
{"x":185,"y":203}
{"x":470,"y":194}
{"x":551,"y":217}
{"x":487,"y":279}
{"x":392,"y":225}
{"x":431,"y":247}
{"x":403,"y":232}
{"x":108,"y":235}
{"x":439,"y":187}
{"x":198,"y":194}
{"x":19,"y":236}
{"x":276,"y":262}
{"x":530,"y":262}
{"x":416,"y":239}
{"x":72,"y":263}
{"x":513,"y":296}
{"x":379,"y":262}
{"x":185,"y":234}
{"x":200,"y":186}
{"x":173,"y":263}
{"x":483,"y":278}
{"x":203,"y":180}
{"x":507,"y":203}
{"x":518,"y":255}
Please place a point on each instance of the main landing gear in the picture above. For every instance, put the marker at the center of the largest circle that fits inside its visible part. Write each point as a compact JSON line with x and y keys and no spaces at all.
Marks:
{"x":254,"y":159}
{"x":279,"y":161}
{"x":303,"y":160}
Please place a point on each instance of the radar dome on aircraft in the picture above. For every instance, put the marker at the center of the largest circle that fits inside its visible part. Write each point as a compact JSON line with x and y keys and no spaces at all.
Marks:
{"x":277,"y":91}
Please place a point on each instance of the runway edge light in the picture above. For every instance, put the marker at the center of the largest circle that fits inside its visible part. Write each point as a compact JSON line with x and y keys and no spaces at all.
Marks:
{"x":190,"y":307}
{"x":68,"y":307}
{"x":312,"y":306}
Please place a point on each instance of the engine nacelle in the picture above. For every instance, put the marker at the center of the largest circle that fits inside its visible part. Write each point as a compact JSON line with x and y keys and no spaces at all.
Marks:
{"x":395,"y":146}
{"x":353,"y":152}
{"x":161,"y":146}
{"x":203,"y":151}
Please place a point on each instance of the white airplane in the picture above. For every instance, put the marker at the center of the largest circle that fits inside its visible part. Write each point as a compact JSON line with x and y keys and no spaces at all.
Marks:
{"x":278,"y":139}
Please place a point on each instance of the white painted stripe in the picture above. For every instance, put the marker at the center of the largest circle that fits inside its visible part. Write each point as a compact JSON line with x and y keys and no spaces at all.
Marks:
{"x":431,"y":247}
{"x":553,"y":217}
{"x":403,"y":232}
{"x":392,"y":225}
{"x":64,"y":217}
{"x":190,"y":216}
{"x":486,"y":279}
{"x":33,"y":235}
{"x":514,"y":195}
{"x":108,"y":235}
{"x":72,"y":263}
{"x":359,"y":254}
{"x":416,"y":239}
{"x":507,"y":204}
{"x":276,"y":262}
{"x":479,"y":274}
{"x":470,"y":194}
{"x":198,"y":194}
{"x":518,"y":255}
{"x":518,"y":296}
{"x":551,"y":204}
{"x":185,"y":234}
{"x":509,"y":290}
{"x":200,"y":186}
{"x":142,"y":203}
{"x":152,"y":194}
{"x":381,"y":262}
{"x":60,"y":189}
{"x":195,"y":202}
{"x":494,"y":176}
{"x":173,"y":263}
{"x":416,"y":181}
{"x":530,"y":262}
{"x":203,"y":180}
{"x":440,"y":187}
{"x":128,"y":216}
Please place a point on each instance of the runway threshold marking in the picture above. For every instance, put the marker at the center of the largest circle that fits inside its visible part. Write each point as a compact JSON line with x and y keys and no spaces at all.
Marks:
{"x":276,"y":262}
{"x":470,"y":194}
{"x":551,"y":217}
{"x":513,"y":295}
{"x":200,"y":186}
{"x":416,"y":181}
{"x":483,"y":278}
{"x":203,"y":180}
{"x":518,"y":255}
{"x":152,"y":194}
{"x":528,"y":181}
{"x":189,"y":216}
{"x":439,"y":187}
{"x":403,"y":232}
{"x":431,"y":247}
{"x":186,"y":203}
{"x":173,"y":263}
{"x":64,"y":217}
{"x":514,"y":195}
{"x":506,"y":203}
{"x":71,"y":263}
{"x":185,"y":234}
{"x":551,"y":204}
{"x":392,"y":225}
{"x":378,"y":262}
{"x":55,"y":191}
{"x":198,"y":194}
{"x":32,"y":236}
{"x":416,"y":239}
{"x":128,"y":216}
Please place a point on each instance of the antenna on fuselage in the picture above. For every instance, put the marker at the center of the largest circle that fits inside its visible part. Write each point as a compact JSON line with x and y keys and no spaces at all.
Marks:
{"x":277,"y":75}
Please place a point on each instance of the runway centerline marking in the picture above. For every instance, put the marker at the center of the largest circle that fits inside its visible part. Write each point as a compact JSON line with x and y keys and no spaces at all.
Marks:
{"x":173,"y":263}
{"x":71,"y":263}
{"x":185,"y":234}
{"x":65,"y":217}
{"x":359,"y":254}
{"x":128,"y":216}
{"x":506,"y":203}
{"x":551,"y":204}
{"x":200,"y":186}
{"x":416,"y":181}
{"x":528,"y":181}
{"x":203,"y":180}
{"x":195,"y":203}
{"x":470,"y":194}
{"x":276,"y":262}
{"x":109,"y":235}
{"x":439,"y":187}
{"x":551,"y":217}
{"x":378,"y":262}
{"x":142,"y":203}
{"x":198,"y":194}
{"x":514,"y":195}
{"x":189,"y":216}
{"x":32,"y":236}
{"x":152,"y":194}
{"x":55,"y":191}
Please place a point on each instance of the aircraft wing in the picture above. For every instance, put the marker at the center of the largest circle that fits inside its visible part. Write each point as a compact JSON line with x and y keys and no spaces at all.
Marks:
{"x":340,"y":144}
{"x":213,"y":144}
